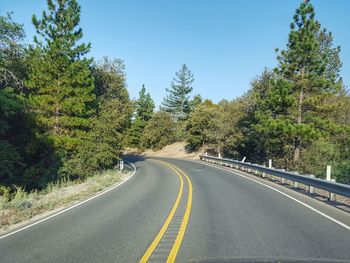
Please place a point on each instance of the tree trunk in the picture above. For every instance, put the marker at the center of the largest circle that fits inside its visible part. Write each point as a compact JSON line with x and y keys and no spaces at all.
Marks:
{"x":219,"y":151}
{"x":56,"y":113}
{"x":297,"y":141}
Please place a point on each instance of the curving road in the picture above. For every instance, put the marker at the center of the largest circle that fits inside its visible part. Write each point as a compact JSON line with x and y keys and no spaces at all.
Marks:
{"x":229,"y":218}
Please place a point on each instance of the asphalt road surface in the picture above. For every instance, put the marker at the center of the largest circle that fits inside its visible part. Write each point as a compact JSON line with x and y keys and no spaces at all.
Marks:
{"x":189,"y":212}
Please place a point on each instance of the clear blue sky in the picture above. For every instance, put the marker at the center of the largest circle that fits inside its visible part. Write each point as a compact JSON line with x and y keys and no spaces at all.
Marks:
{"x":226,"y":43}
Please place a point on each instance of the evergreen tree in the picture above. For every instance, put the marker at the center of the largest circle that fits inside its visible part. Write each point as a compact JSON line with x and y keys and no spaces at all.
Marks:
{"x":309,"y":80}
{"x":103,"y":144}
{"x":197,"y":100}
{"x":60,"y":82}
{"x":143,"y":113}
{"x":12,"y":70}
{"x":177,"y":100}
{"x":12,"y":105}
{"x":144,"y":105}
{"x":110,"y":80}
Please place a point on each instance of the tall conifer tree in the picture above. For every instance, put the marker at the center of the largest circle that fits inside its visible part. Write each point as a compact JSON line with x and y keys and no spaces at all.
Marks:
{"x":307,"y":78}
{"x":60,"y":82}
{"x":177,"y":100}
{"x":143,"y":113}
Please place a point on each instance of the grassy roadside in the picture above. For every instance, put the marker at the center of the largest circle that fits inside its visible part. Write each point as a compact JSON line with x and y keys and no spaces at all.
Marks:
{"x":23,"y":206}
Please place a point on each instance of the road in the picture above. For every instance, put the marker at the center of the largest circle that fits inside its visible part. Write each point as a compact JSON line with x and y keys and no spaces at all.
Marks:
{"x":226,"y":217}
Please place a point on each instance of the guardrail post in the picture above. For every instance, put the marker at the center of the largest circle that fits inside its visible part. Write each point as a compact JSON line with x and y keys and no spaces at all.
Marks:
{"x":332,"y":195}
{"x":263,"y":175}
{"x":311,"y":188}
{"x":121,"y":165}
{"x":283,"y":181}
{"x":248,"y":169}
{"x":328,"y":175}
{"x":295,"y":184}
{"x":270,"y":166}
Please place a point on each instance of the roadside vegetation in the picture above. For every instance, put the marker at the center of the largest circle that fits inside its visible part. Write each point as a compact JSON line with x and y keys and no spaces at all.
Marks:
{"x":21,"y":205}
{"x":65,"y":117}
{"x":296,"y":114}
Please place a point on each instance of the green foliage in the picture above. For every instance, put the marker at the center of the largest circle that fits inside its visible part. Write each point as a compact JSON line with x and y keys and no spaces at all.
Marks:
{"x":134,"y":134}
{"x":325,"y":152}
{"x":294,"y":106}
{"x":10,"y":32}
{"x":202,"y":125}
{"x":341,"y":171}
{"x":309,"y":67}
{"x":10,"y":105}
{"x":14,"y":132}
{"x":317,"y":156}
{"x":230,"y":134}
{"x":159,"y":131}
{"x":177,"y":101}
{"x":11,"y":50}
{"x":63,"y":115}
{"x":110,"y":79}
{"x":103,"y":144}
{"x":197,"y":100}
{"x":10,"y":162}
{"x":217,"y":126}
{"x":60,"y":82}
{"x":144,"y":107}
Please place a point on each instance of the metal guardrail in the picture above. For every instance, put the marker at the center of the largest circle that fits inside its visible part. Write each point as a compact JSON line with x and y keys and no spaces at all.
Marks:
{"x":331,"y":187}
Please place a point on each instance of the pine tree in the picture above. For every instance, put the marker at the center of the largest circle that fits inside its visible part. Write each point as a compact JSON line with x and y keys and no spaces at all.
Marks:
{"x":197,"y":100}
{"x":177,"y":100}
{"x":143,"y":113}
{"x":104,"y":142}
{"x":12,"y":105}
{"x":309,"y":78}
{"x":12,"y":70}
{"x":144,"y":105}
{"x":60,"y":82}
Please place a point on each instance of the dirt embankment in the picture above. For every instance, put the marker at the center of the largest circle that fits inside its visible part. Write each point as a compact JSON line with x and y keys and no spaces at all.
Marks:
{"x":175,"y":150}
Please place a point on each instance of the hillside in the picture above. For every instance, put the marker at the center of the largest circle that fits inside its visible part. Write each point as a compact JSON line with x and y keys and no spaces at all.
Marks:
{"x":175,"y":150}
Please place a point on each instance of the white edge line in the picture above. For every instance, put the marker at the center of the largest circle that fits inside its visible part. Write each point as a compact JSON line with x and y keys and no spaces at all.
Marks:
{"x":71,"y":207}
{"x":287,"y":195}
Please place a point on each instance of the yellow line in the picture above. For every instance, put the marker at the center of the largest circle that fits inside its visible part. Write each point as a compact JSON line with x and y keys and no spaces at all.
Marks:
{"x":157,"y":239}
{"x":180,"y":235}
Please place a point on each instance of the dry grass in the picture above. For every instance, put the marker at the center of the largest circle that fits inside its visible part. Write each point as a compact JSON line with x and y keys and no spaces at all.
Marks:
{"x":23,"y":206}
{"x":175,"y":150}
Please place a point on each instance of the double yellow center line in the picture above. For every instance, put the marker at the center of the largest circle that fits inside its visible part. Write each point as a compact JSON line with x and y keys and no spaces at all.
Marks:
{"x":176,"y":246}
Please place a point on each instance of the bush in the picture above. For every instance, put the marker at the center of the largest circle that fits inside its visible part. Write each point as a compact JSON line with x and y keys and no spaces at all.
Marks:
{"x":10,"y":162}
{"x":317,"y":156}
{"x":90,"y":158}
{"x":202,"y":126}
{"x":341,"y":171}
{"x":159,"y":132}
